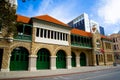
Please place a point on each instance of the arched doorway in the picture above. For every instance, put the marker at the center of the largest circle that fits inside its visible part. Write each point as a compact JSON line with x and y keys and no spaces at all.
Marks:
{"x":82,"y":59}
{"x":19,"y":59}
{"x":73,"y":59}
{"x":61,"y":59}
{"x":43,"y":59}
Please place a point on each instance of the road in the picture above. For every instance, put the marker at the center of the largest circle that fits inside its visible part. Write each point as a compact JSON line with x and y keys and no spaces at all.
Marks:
{"x":109,"y":74}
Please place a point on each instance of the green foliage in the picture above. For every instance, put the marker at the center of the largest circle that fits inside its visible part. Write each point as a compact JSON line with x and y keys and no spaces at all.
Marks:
{"x":7,"y":18}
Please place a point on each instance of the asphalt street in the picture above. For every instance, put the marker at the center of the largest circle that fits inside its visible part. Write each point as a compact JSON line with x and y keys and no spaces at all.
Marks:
{"x":103,"y":74}
{"x":110,"y":74}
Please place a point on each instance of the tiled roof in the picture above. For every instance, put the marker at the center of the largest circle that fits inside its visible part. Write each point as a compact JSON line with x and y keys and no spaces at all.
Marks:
{"x":42,"y":17}
{"x":102,"y":36}
{"x":50,"y":19}
{"x":105,"y":37}
{"x":22,"y":19}
{"x":81,"y":32}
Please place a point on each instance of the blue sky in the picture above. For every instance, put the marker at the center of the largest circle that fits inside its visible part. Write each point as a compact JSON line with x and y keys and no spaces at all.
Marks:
{"x":105,"y":12}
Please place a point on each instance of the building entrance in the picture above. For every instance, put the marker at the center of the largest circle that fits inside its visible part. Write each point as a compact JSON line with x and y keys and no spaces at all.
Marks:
{"x":73,"y":59}
{"x":43,"y":59}
{"x":61,"y":59}
{"x":19,"y":59}
{"x":82,"y":59}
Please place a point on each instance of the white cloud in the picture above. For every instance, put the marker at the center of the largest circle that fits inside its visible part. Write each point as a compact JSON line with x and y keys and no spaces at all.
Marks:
{"x":109,"y":10}
{"x":44,"y":6}
{"x":63,"y":12}
{"x":59,"y":10}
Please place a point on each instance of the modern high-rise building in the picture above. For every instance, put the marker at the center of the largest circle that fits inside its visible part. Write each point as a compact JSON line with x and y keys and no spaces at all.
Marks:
{"x":81,"y":22}
{"x":102,"y":30}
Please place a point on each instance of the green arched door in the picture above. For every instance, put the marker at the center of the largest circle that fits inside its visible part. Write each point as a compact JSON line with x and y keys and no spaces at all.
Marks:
{"x":82,"y":59}
{"x":19,"y":59}
{"x":43,"y":59}
{"x":61,"y":59}
{"x":73,"y":60}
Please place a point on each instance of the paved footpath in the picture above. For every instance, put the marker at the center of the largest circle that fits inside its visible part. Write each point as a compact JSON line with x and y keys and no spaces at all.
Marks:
{"x":19,"y":75}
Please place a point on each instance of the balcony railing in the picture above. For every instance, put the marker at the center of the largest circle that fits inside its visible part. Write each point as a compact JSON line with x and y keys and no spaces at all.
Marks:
{"x":23,"y":37}
{"x":82,"y":45}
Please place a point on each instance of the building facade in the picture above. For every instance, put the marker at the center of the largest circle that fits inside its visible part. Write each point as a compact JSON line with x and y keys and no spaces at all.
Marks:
{"x":116,"y":46}
{"x":43,"y":42}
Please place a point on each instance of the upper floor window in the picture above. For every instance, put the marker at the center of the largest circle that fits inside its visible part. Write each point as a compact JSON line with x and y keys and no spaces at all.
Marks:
{"x":55,"y":35}
{"x":108,"y":45}
{"x":41,"y":32}
{"x":27,"y":30}
{"x":37,"y":32}
{"x":44,"y":33}
{"x":113,"y":39}
{"x":116,"y":39}
{"x":58,"y":35}
{"x":117,"y":47}
{"x":24,"y":29}
{"x":82,"y":41}
{"x":48,"y":33}
{"x":52,"y":34}
{"x":72,"y":38}
{"x":114,"y":47}
{"x":66,"y":37}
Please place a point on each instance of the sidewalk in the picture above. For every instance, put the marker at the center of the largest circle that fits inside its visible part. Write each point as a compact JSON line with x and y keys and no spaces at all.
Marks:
{"x":41,"y":73}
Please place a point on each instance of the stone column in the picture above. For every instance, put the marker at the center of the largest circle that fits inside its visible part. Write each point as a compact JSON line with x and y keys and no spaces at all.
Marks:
{"x":68,"y":62}
{"x":6,"y":60}
{"x":87,"y":63}
{"x":32,"y":62}
{"x":53,"y":63}
{"x":77,"y":61}
{"x":94,"y":58}
{"x":105,"y":62}
{"x":7,"y":69}
{"x":113,"y":59}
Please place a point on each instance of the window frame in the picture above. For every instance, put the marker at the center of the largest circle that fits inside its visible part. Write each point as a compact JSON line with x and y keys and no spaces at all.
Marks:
{"x":41,"y":33}
{"x":37,"y":32}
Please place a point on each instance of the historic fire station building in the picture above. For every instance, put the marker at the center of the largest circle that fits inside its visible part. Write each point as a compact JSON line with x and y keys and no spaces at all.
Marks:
{"x":46,"y":43}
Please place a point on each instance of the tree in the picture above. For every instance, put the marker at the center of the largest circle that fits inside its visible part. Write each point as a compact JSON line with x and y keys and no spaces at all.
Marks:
{"x":7,"y":18}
